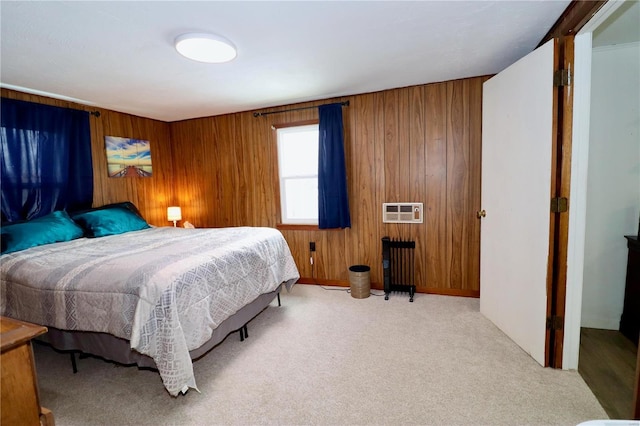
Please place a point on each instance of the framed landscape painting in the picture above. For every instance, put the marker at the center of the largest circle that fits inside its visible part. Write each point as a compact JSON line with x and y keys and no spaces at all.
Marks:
{"x":127,"y":157}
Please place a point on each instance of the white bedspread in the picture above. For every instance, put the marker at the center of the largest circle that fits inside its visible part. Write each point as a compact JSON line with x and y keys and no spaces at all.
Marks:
{"x":164,"y":289}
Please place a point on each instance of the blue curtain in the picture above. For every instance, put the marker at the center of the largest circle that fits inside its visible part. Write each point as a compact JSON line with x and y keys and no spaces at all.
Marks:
{"x":333,"y":201}
{"x":45,"y":155}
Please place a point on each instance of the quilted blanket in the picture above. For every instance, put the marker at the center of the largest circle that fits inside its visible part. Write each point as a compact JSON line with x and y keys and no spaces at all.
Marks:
{"x":164,"y":289}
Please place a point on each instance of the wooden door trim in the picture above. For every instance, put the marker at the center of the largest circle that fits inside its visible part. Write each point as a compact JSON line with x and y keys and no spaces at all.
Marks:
{"x":551,"y":261}
{"x":574,"y":17}
{"x":560,"y":187}
{"x":636,"y":392}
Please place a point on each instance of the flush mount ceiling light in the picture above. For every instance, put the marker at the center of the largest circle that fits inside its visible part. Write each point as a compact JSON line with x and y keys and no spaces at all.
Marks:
{"x":209,"y":48}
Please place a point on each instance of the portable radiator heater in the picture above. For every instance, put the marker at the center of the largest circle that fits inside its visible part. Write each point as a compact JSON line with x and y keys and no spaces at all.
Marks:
{"x":398,"y":266}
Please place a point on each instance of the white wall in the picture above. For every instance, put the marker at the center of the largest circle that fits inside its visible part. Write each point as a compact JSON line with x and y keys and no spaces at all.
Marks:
{"x":613,"y":188}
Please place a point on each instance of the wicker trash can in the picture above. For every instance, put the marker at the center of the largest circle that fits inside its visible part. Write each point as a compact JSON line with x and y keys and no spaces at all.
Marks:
{"x":359,"y":281}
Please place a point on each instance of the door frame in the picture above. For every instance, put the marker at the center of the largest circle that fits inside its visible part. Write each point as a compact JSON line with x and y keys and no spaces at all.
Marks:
{"x":577,"y":215}
{"x":579,"y":164}
{"x":560,"y":189}
{"x":580,"y":18}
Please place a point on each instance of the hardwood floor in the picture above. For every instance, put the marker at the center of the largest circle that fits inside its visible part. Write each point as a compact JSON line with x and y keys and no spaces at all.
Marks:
{"x":608,"y":364}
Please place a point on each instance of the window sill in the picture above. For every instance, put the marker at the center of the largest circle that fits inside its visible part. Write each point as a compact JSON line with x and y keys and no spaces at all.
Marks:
{"x":293,"y":227}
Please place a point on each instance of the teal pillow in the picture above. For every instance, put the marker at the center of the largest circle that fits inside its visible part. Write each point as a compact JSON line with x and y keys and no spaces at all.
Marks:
{"x":52,"y":228}
{"x":112,"y":221}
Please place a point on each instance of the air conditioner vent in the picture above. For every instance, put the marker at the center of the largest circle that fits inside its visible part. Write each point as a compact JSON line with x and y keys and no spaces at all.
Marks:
{"x":402,"y":212}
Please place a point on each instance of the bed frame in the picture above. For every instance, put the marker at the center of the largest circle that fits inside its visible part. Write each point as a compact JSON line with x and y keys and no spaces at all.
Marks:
{"x":112,"y":348}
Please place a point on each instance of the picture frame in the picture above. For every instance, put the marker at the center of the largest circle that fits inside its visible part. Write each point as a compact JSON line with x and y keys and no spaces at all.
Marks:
{"x":128,"y":157}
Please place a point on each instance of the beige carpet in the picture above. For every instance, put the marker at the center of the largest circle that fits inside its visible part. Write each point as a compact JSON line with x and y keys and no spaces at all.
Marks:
{"x":327,"y":358}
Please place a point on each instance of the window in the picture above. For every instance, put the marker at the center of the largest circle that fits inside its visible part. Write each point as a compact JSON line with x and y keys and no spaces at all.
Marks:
{"x":46,"y":159}
{"x":298,"y":174}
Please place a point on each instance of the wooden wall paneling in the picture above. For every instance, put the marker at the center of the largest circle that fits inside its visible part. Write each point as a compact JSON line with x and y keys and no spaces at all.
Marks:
{"x":195,"y":178}
{"x":258,"y":126}
{"x":435,"y":208}
{"x":217,"y":156}
{"x":159,"y":189}
{"x":243,"y":165}
{"x":405,"y":123}
{"x":417,"y":177}
{"x":111,"y":126}
{"x":265,"y":173}
{"x":271,"y":174}
{"x":331,"y":259}
{"x":475,"y":181}
{"x":457,"y":181}
{"x":349,"y":235}
{"x":227,"y":171}
{"x":299,"y":246}
{"x":238,"y":193}
{"x":420,"y":143}
{"x":99,"y":160}
{"x":114,"y":188}
{"x":209,"y":153}
{"x":220,"y":154}
{"x":391,"y":149}
{"x":322,"y":255}
{"x":233,"y":195}
{"x":380,"y":182}
{"x":250,"y":129}
{"x":392,"y":160}
{"x":364,"y":218}
{"x":187,"y":148}
{"x":355,"y":179}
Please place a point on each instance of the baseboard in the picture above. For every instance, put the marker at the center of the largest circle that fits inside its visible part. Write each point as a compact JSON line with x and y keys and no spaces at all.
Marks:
{"x":376,"y":286}
{"x":601,"y":322}
{"x":321,"y":281}
{"x":451,"y":292}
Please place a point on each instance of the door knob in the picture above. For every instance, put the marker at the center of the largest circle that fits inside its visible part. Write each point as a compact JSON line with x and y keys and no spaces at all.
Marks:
{"x":480,"y":214}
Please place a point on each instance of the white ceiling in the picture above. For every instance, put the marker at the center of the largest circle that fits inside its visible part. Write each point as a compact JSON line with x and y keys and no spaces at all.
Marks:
{"x":119,"y":55}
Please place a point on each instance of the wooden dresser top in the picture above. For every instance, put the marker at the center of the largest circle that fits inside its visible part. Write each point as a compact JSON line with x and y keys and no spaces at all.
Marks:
{"x":14,"y":332}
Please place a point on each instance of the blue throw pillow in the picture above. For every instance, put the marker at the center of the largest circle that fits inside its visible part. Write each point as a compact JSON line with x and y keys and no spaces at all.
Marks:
{"x":52,"y":228}
{"x":112,"y":221}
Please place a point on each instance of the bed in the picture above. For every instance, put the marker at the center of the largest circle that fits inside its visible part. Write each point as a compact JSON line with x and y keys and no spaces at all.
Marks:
{"x":156,"y":297}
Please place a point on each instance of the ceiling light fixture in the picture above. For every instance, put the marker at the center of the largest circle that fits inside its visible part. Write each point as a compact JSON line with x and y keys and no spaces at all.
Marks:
{"x":209,"y":48}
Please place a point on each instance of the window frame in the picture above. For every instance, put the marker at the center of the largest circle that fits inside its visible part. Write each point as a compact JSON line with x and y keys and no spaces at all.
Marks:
{"x":280,"y":224}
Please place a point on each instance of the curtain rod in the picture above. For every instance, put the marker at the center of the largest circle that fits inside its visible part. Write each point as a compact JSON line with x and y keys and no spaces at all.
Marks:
{"x":94,"y":113}
{"x":260,"y":114}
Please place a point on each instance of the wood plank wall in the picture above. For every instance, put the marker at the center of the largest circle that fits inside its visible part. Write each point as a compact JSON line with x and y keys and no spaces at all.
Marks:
{"x":152,"y":195}
{"x":415,"y":144}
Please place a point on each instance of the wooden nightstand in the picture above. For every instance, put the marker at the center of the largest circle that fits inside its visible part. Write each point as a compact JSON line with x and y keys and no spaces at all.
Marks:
{"x":20,"y":404}
{"x":630,"y":320}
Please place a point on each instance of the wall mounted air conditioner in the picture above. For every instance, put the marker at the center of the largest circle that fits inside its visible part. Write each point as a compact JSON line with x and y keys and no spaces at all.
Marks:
{"x":402,"y":212}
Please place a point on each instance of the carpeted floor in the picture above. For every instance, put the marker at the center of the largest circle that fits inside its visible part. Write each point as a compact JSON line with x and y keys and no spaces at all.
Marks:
{"x":327,"y":358}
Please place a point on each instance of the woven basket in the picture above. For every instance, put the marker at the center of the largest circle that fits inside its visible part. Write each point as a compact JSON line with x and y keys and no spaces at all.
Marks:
{"x":359,"y":281}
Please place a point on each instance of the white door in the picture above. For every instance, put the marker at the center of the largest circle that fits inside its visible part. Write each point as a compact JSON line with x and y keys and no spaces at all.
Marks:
{"x":517,"y":134}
